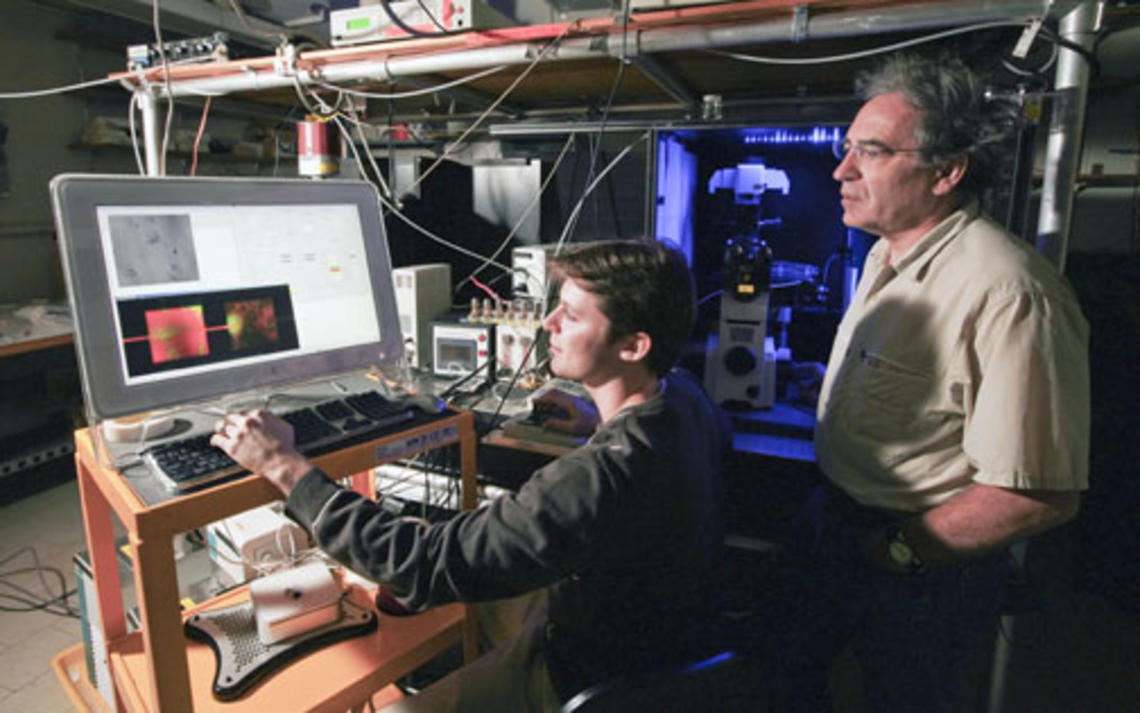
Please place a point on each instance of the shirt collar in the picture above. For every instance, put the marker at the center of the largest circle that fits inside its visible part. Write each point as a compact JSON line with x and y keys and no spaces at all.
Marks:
{"x":919,"y":257}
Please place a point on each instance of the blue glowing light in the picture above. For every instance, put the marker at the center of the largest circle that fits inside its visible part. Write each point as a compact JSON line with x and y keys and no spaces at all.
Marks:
{"x":711,"y":661}
{"x":805,"y":135}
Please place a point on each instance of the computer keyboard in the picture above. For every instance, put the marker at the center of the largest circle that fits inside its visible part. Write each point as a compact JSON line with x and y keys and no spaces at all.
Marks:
{"x":192,"y":461}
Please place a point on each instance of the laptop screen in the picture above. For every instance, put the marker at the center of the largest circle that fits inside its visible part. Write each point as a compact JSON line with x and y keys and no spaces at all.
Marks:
{"x":188,"y":289}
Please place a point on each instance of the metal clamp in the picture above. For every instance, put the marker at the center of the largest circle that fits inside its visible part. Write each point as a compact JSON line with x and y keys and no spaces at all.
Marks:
{"x":800,"y":16}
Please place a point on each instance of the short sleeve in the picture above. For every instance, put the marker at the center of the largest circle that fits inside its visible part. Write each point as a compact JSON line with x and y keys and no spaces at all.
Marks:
{"x":1029,"y":425}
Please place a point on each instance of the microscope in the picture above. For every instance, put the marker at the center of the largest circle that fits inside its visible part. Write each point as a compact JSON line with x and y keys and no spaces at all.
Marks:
{"x":740,"y":368}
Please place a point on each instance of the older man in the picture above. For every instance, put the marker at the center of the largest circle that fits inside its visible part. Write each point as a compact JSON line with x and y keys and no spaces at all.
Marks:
{"x":954,"y":414}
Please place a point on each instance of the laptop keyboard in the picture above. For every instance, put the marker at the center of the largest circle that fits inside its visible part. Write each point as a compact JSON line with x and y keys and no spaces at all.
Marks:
{"x":192,"y":461}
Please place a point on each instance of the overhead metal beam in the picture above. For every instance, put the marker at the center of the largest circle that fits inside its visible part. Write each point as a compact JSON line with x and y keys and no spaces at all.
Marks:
{"x":667,"y":80}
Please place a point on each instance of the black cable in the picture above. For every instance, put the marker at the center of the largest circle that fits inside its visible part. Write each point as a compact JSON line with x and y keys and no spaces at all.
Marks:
{"x":612,"y":191}
{"x":34,"y":602}
{"x":1088,"y":55}
{"x":425,"y":469}
{"x":431,"y":16}
{"x":387,"y":5}
{"x":392,"y":149}
{"x":470,"y":375}
{"x":38,"y":607}
{"x":592,"y":166}
{"x":236,"y":6}
{"x":514,"y":378}
{"x":161,"y":46}
{"x":454,"y":492}
{"x":39,"y":570}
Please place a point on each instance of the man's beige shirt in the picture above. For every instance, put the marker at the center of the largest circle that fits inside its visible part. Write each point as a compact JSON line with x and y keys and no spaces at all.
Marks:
{"x":964,"y":362}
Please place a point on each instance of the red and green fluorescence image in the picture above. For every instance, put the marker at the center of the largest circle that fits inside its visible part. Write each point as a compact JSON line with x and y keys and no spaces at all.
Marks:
{"x":252,"y":323}
{"x":176,"y":333}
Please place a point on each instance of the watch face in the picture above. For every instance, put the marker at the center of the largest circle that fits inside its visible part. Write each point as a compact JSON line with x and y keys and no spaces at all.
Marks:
{"x":900,"y":552}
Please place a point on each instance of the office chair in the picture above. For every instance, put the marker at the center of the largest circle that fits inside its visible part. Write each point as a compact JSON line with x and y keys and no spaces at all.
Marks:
{"x":723,"y":683}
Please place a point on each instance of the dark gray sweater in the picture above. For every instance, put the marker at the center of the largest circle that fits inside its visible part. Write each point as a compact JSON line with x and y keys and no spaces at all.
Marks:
{"x":625,"y":530}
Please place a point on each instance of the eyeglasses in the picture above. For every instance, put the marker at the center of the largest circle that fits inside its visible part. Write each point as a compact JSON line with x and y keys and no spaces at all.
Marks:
{"x":866,"y":151}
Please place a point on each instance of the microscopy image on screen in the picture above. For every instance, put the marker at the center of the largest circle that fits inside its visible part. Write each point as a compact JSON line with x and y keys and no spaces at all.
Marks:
{"x":153,"y":249}
{"x":252,"y":323}
{"x":204,"y":330}
{"x":176,"y":333}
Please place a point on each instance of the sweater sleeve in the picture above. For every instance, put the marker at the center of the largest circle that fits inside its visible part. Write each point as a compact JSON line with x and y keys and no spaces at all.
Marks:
{"x":517,"y":543}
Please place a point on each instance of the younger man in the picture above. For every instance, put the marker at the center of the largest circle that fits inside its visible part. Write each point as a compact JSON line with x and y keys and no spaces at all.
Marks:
{"x":624,"y":530}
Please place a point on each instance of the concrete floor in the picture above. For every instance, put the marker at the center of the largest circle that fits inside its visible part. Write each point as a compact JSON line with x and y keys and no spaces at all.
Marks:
{"x":51,"y":525}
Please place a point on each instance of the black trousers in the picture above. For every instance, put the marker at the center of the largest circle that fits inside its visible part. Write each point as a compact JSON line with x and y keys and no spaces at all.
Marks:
{"x":913,"y":636}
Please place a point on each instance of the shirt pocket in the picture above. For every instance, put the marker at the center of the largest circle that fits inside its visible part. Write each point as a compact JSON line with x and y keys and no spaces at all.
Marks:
{"x":889,"y":399}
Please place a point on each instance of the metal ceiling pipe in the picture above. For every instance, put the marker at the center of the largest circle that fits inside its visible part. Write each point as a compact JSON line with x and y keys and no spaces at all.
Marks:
{"x":848,"y":23}
{"x":151,"y":131}
{"x":1066,"y":129}
{"x":845,"y":24}
{"x":364,"y":70}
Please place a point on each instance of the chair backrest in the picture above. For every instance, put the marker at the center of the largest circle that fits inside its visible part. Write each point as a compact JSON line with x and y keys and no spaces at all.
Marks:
{"x":721,"y":683}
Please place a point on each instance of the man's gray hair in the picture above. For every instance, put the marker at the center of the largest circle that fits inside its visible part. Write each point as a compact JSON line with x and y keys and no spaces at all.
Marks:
{"x":955,"y":117}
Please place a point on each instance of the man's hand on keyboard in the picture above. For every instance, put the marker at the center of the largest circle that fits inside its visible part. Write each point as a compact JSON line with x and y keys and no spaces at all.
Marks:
{"x":263,"y":444}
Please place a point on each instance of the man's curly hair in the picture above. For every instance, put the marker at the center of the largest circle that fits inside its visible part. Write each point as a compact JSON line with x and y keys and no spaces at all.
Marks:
{"x":956,"y":117}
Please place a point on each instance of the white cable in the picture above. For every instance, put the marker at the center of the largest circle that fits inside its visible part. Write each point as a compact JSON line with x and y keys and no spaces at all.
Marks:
{"x":494,"y":105}
{"x":134,"y":136}
{"x":596,"y":139}
{"x":522,"y":218}
{"x":323,"y":109}
{"x":384,"y":189}
{"x":292,"y":555}
{"x":432,"y":236}
{"x":350,"y":118}
{"x":593,"y":184}
{"x":371,"y":159}
{"x":414,"y":92}
{"x":240,"y":559}
{"x":709,"y":296}
{"x":57,"y":90}
{"x":1034,"y":72}
{"x":391,"y":206}
{"x":245,"y":21}
{"x":870,"y":52}
{"x":166,"y":84}
{"x":336,"y":117}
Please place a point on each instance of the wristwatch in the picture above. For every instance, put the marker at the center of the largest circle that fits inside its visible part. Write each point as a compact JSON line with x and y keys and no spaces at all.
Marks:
{"x":901,"y":553}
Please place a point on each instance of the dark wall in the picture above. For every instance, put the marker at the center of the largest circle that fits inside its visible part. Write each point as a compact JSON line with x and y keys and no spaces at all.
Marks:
{"x":1108,"y":287}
